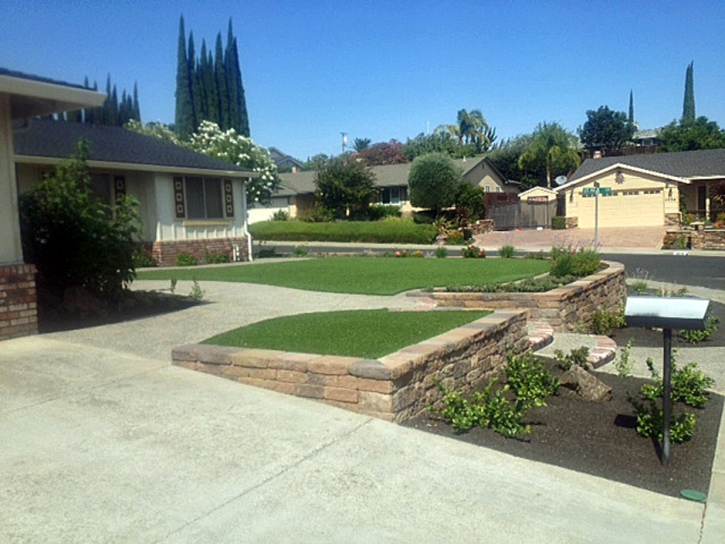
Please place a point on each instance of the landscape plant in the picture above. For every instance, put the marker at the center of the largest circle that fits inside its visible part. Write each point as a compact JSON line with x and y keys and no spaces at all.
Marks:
{"x":695,"y":336}
{"x":434,"y":181}
{"x":507,"y":251}
{"x":472,"y":251}
{"x":441,"y":252}
{"x":345,"y":188}
{"x":184,"y":258}
{"x":624,"y":364}
{"x":605,"y":320}
{"x":576,"y":357}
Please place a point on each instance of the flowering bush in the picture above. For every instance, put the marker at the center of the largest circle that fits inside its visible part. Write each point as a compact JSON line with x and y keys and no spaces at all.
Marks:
{"x":473,"y":252}
{"x":242,"y":151}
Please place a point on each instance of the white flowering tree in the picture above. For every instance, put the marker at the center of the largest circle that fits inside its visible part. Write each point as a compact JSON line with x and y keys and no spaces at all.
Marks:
{"x":231,"y":146}
{"x":225,"y":145}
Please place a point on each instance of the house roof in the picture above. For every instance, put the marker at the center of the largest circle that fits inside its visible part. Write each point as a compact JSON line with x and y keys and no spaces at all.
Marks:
{"x":537,"y":189}
{"x":626,"y":167}
{"x":705,"y":163}
{"x":279,"y":157}
{"x":34,"y":95}
{"x":55,"y":140}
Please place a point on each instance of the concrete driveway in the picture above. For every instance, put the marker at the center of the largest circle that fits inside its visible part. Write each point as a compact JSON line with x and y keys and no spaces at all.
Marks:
{"x":104,"y":441}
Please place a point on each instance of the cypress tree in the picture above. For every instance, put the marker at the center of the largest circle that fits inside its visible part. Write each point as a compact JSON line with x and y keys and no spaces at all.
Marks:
{"x":184,"y":120}
{"x":194,"y":84}
{"x":136,"y":107}
{"x":113,"y":108}
{"x":212,"y":91}
{"x":231,"y":79}
{"x":688,"y":106}
{"x":90,"y":114}
{"x":243,"y":120}
{"x":201,"y":70}
{"x":631,"y":107}
{"x":222,"y":86}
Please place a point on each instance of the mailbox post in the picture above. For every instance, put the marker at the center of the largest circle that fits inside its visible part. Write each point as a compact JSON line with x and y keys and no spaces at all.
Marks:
{"x":667,"y":314}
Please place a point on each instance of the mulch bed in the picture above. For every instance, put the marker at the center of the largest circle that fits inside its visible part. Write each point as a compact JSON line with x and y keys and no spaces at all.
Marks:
{"x":599,"y":438}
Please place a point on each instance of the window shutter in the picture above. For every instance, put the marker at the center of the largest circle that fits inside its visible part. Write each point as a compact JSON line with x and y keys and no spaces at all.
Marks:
{"x":228,"y":198}
{"x":119,"y":187}
{"x":179,"y":203}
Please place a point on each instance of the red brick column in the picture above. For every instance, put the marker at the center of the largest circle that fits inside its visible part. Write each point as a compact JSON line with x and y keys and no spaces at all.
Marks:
{"x":18,"y":301}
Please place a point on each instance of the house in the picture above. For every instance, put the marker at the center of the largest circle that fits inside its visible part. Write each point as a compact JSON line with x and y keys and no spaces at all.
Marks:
{"x":650,"y":189}
{"x":392,"y":180}
{"x":23,"y":96}
{"x":189,"y":202}
{"x":284,"y":162}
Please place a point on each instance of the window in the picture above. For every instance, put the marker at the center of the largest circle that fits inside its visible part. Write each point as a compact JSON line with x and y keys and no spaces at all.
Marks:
{"x":202,"y":198}
{"x":393,"y":195}
{"x":487,"y":189}
{"x":498,"y":189}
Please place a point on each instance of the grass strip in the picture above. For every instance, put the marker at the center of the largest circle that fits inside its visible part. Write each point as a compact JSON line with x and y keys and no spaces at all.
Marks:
{"x":389,"y":231}
{"x":361,"y":275}
{"x":368,"y":334}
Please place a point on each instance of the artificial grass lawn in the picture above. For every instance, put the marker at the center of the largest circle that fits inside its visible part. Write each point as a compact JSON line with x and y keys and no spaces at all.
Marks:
{"x":362,"y":333}
{"x":362,"y":275}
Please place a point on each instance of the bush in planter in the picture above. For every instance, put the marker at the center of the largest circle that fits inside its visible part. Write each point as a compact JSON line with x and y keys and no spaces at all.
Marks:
{"x":566,"y":261}
{"x":558,"y":223}
{"x":473,"y":252}
{"x":186,"y":259}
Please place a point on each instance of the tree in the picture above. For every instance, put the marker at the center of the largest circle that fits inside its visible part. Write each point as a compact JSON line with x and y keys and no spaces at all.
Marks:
{"x":630,"y":119}
{"x":222,"y":84}
{"x":688,"y":105}
{"x":434,"y":181}
{"x":506,"y":158}
{"x":73,"y":238}
{"x":345,"y":187}
{"x":184,"y":118}
{"x":606,"y":130}
{"x":316,"y":162}
{"x":360,"y":144}
{"x":472,"y":128}
{"x":383,"y":153}
{"x":441,"y":141}
{"x":689,"y":136}
{"x":553,"y":148}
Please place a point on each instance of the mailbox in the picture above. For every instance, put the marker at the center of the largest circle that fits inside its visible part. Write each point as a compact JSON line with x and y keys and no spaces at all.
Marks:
{"x":667,"y":314}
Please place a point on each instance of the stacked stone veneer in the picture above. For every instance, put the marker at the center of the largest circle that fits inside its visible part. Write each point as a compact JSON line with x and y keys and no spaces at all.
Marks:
{"x":395,"y":387}
{"x":18,"y":301}
{"x":564,"y":308}
{"x":707,"y":239}
{"x":166,"y":252}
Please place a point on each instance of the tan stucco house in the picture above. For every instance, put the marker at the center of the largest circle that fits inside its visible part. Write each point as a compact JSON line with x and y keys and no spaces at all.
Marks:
{"x":639,"y":190}
{"x":22,"y":97}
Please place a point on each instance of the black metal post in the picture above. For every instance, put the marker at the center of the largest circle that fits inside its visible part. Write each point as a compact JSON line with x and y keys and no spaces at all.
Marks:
{"x":667,"y":397}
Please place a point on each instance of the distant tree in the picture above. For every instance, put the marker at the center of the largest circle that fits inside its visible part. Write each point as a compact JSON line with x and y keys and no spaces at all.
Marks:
{"x":222,"y":84}
{"x":434,"y":181}
{"x":345,"y":187}
{"x":316,"y":162}
{"x":689,"y":136}
{"x":441,"y":141}
{"x":606,"y":130}
{"x":383,"y":153}
{"x":469,"y":203}
{"x":472,"y":128}
{"x":184,"y":117}
{"x":155,"y":130}
{"x":688,"y":106}
{"x":506,"y":157}
{"x":361,"y":144}
{"x":630,"y":118}
{"x":552,"y":147}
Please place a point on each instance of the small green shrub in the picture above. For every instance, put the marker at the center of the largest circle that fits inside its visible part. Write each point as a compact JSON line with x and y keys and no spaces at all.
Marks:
{"x":529,"y":285}
{"x":577,"y":356}
{"x":316,"y":214}
{"x":639,"y":281}
{"x":186,"y":259}
{"x":558,"y":223}
{"x":506,"y":251}
{"x":376,"y":212}
{"x":473,"y":252}
{"x":217,"y":258}
{"x":441,"y":252}
{"x":566,"y":261}
{"x":196,"y":293}
{"x":143,"y":257}
{"x":624,"y":364}
{"x":456,"y":238}
{"x":280,"y":215}
{"x":688,"y":218}
{"x":606,"y":320}
{"x":697,"y":336}
{"x":424,"y":218}
{"x":300,"y":251}
{"x":530,"y":379}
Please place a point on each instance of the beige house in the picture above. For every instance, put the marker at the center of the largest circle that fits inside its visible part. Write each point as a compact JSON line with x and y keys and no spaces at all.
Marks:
{"x":643,"y":190}
{"x":392,"y":181}
{"x":22,"y":97}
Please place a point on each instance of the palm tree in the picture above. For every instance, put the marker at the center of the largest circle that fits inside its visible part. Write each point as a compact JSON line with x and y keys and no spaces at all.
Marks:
{"x":552,"y":146}
{"x":360,"y":144}
{"x":471,"y":128}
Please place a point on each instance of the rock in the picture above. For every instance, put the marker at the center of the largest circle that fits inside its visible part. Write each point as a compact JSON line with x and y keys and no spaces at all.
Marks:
{"x":585,"y":385}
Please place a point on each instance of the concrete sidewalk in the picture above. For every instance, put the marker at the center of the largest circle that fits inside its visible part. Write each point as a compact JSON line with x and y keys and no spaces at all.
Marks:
{"x":104,"y":441}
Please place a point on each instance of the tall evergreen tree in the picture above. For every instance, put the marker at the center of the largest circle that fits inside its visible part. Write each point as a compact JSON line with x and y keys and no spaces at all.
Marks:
{"x":231,"y":78}
{"x":631,"y":108}
{"x":184,"y":118}
{"x":136,"y":107}
{"x":211,"y":90}
{"x":222,"y":84}
{"x":194,"y":83}
{"x":243,"y":119}
{"x":688,"y":106}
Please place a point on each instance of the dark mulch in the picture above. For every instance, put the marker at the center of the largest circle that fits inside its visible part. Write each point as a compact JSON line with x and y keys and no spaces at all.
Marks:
{"x":600,"y":439}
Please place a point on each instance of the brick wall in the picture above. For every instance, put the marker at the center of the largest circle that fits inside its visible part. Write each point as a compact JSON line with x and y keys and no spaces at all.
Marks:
{"x":166,"y":252}
{"x":708,"y":239}
{"x":18,"y":301}
{"x":564,"y":308}
{"x":395,"y":387}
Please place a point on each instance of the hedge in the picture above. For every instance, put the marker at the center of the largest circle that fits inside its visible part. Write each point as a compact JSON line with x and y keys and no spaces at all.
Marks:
{"x":389,"y":231}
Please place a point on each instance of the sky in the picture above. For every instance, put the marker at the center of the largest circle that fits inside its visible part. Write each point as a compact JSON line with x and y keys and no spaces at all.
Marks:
{"x":390,"y":69}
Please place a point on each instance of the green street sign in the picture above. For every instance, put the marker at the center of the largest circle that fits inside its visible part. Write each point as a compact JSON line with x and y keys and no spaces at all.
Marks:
{"x":605,"y":191}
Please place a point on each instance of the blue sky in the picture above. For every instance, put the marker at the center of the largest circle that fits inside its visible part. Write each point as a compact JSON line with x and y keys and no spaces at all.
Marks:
{"x":391,"y":69}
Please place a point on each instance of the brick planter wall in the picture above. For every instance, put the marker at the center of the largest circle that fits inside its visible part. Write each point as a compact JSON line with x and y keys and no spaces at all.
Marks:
{"x":708,"y":239}
{"x":166,"y":252}
{"x":564,"y":308}
{"x":18,"y":301}
{"x":395,"y":387}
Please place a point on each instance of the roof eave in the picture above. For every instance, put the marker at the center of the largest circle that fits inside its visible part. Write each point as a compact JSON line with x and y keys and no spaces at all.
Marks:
{"x":622,"y":166}
{"x":30,"y":98}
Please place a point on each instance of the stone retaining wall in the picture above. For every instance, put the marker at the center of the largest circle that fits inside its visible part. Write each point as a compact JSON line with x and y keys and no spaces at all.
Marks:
{"x":166,"y":252}
{"x":18,"y":302}
{"x":565,"y":308}
{"x":708,"y":239}
{"x":395,"y":387}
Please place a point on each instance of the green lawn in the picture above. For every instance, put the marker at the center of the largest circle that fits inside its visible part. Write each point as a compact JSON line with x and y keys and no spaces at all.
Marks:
{"x":362,"y":275}
{"x":364,"y":333}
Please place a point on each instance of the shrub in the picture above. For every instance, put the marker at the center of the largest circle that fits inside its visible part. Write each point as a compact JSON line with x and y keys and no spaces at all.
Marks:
{"x":73,"y":238}
{"x":216,"y":258}
{"x":697,"y":336}
{"x":577,"y":356}
{"x":506,"y":251}
{"x":606,"y":320}
{"x":316,"y":214}
{"x":300,"y":251}
{"x":624,"y":364}
{"x":424,"y":218}
{"x":186,"y":259}
{"x":558,"y":223}
{"x":530,"y":379}
{"x":376,"y":212}
{"x":581,"y":262}
{"x":143,"y":257}
{"x":473,"y":252}
{"x":280,"y":215}
{"x":688,"y":218}
{"x":441,"y":252}
{"x":345,"y":186}
{"x":456,"y":238}
{"x":434,"y":181}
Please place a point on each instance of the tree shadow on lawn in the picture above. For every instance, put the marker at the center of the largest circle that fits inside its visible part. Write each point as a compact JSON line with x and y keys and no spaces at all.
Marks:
{"x":599,"y":438}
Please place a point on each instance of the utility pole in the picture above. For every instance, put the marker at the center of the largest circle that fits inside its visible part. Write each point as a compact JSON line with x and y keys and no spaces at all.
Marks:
{"x":344,"y":141}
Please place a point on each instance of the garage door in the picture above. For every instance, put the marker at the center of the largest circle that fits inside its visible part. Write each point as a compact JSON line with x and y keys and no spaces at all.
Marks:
{"x":624,"y":209}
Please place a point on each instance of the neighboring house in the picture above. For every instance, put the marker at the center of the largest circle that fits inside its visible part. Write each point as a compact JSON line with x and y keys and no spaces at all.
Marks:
{"x":392,"y":180}
{"x":646,"y":189}
{"x":189,"y":202}
{"x":23,"y":96}
{"x":647,"y":138}
{"x":538,"y":194}
{"x":283,"y":161}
